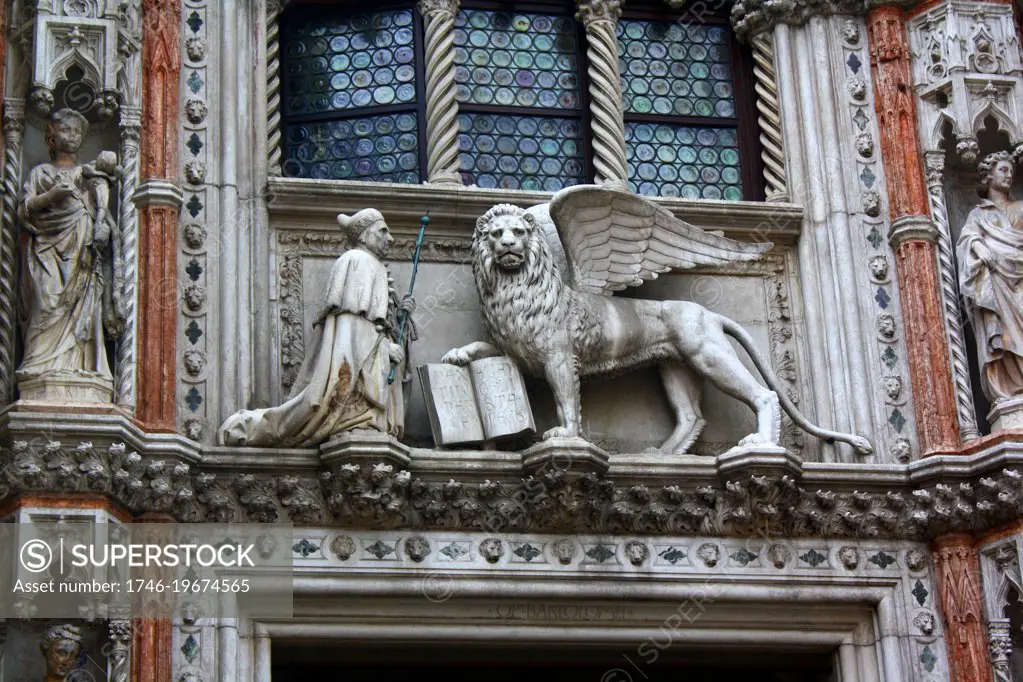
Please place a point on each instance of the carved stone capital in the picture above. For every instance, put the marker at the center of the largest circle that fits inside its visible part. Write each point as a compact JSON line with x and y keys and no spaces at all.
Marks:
{"x":912,"y":228}
{"x":591,"y":11}
{"x":158,"y":192}
{"x":428,"y":7}
{"x":750,"y":17}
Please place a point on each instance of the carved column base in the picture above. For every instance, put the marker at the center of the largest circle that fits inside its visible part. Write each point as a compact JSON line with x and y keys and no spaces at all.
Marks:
{"x":1006,"y":415}
{"x":64,"y":386}
{"x":744,"y":461}
{"x":365,"y":446}
{"x":571,"y":455}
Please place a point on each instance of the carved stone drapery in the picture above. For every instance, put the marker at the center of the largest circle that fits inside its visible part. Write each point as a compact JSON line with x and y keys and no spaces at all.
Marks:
{"x":912,"y":236}
{"x":957,"y":569}
{"x":441,"y":107}
{"x":609,"y":154}
{"x":935,"y":165}
{"x":769,"y":118}
{"x":14,"y":130}
{"x":158,"y":201}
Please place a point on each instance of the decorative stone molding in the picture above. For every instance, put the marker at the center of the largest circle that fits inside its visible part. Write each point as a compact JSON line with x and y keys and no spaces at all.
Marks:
{"x":912,"y":234}
{"x":752,"y":17}
{"x":599,"y":18}
{"x":158,"y":192}
{"x":966,"y":66}
{"x":14,"y":129}
{"x":935,"y":166}
{"x":378,"y":495}
{"x":958,"y":581}
{"x":273,"y":87}
{"x":441,"y":107}
{"x":911,"y":227}
{"x":769,"y":118}
{"x":1000,"y":572}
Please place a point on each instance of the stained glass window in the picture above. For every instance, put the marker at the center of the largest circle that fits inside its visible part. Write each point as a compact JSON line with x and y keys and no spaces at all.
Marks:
{"x":682,"y":128}
{"x":520,"y":99}
{"x":350,"y":94}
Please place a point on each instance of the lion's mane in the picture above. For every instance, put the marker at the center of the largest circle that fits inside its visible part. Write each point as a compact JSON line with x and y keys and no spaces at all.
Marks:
{"x":520,"y":307}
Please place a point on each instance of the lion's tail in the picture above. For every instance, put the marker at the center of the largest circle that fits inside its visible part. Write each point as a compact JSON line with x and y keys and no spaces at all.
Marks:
{"x":859,"y":443}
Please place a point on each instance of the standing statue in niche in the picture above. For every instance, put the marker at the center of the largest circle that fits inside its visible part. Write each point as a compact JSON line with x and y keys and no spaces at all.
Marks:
{"x":69,"y":300}
{"x":990,"y":252}
{"x":342,"y":384}
{"x":546,"y":276}
{"x":61,"y":645}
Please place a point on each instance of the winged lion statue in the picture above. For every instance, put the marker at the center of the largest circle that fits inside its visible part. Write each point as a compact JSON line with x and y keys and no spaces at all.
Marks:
{"x":546,"y":278}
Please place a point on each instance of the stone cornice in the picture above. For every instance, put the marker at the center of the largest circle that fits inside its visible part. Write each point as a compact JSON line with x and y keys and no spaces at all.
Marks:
{"x":460,"y":490}
{"x":454,"y":209}
{"x":750,"y":17}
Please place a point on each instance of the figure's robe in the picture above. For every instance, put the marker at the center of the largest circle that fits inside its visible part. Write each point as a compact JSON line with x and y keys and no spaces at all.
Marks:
{"x":342,"y":383}
{"x":61,"y":292}
{"x":994,"y":295}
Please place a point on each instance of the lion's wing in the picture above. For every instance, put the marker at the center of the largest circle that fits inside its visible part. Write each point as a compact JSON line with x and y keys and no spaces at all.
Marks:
{"x":614,"y":240}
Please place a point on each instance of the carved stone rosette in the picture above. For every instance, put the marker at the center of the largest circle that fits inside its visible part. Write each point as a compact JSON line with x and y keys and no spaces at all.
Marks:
{"x":441,"y":107}
{"x":609,"y":152}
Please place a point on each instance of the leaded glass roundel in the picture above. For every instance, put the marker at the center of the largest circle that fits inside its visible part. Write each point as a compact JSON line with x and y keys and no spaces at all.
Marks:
{"x":516,"y":60}
{"x":520,"y":152}
{"x":350,"y":62}
{"x":675,"y":69}
{"x":683,"y":161}
{"x":377,"y":148}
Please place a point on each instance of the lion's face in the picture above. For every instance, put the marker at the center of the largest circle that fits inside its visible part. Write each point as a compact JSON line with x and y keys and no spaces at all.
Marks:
{"x":508,"y":238}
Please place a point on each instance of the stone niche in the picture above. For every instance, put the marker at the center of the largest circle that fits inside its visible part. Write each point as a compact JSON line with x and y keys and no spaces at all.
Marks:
{"x":624,"y":414}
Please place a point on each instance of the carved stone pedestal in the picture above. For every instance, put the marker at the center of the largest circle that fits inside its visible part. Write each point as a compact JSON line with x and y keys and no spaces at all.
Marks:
{"x":364,"y":446}
{"x":1006,"y":415}
{"x":570,"y":455}
{"x":67,"y":387}
{"x":743,"y":461}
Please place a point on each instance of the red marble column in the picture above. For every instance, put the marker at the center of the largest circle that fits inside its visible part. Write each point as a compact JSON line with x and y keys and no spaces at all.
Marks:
{"x":912,"y":235}
{"x":957,"y":566}
{"x":153,"y":638}
{"x":158,"y":213}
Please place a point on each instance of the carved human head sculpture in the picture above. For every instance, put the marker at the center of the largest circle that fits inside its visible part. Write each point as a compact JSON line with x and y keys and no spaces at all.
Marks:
{"x":367,"y":229}
{"x":60,"y":645}
{"x":65,"y":132}
{"x":996,"y":172}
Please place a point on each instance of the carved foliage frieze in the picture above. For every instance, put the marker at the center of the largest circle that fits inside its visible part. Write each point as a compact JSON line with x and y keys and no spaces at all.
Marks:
{"x":381,"y":496}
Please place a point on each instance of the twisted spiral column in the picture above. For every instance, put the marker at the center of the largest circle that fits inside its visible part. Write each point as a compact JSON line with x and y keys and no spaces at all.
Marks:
{"x":131,"y":130}
{"x":441,"y":107}
{"x":769,"y":119}
{"x":609,"y":153}
{"x":273,"y":86}
{"x":935,"y":164}
{"x":14,"y":129}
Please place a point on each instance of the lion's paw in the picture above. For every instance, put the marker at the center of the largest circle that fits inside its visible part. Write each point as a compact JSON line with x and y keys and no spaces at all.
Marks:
{"x":559,"y":432}
{"x":456,"y":356}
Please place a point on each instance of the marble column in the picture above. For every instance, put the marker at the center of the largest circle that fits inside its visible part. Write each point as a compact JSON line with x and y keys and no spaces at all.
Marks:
{"x":912,"y":235}
{"x":152,"y":637}
{"x":600,"y":18}
{"x":158,"y":200}
{"x":14,"y":131}
{"x":957,"y":569}
{"x":441,"y":107}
